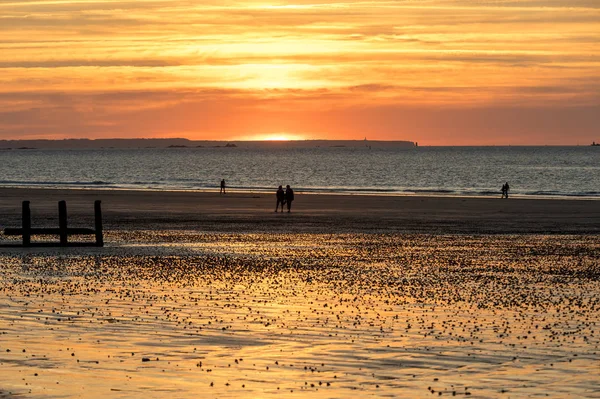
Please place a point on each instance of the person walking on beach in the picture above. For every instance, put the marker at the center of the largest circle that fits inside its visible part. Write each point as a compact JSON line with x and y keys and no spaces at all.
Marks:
{"x":289,"y":197}
{"x":222,"y":187}
{"x":280,"y":198}
{"x":505,"y":190}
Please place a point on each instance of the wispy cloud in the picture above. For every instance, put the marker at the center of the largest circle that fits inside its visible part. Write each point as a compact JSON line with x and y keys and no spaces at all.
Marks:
{"x":287,"y":62}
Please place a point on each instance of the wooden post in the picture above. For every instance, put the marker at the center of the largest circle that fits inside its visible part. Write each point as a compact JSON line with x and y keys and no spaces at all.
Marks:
{"x":98,"y":227}
{"x":26,"y":223}
{"x":62,"y":223}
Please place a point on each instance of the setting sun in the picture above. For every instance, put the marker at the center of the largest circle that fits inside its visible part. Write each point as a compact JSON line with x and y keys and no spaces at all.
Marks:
{"x":273,"y":137}
{"x":276,"y":137}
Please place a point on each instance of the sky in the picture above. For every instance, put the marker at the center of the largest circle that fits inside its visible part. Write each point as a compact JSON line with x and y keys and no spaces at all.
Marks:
{"x":439,"y":72}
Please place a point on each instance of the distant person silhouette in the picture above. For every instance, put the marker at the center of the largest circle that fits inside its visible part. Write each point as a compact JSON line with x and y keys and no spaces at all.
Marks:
{"x":289,"y":197}
{"x":280,"y":198}
{"x":222,"y":187}
{"x":505,"y":189}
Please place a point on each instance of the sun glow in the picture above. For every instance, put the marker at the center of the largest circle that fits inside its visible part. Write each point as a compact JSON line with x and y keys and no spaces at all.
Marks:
{"x":275,"y":137}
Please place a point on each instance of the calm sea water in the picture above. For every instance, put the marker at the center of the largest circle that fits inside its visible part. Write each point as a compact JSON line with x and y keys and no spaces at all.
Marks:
{"x":530,"y":171}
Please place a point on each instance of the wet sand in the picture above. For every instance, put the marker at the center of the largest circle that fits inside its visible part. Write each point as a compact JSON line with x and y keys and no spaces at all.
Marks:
{"x":253,"y":212}
{"x":365,"y":309}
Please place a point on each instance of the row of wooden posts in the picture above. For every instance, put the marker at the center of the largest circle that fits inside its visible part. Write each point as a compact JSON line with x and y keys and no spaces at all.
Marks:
{"x":63,"y":231}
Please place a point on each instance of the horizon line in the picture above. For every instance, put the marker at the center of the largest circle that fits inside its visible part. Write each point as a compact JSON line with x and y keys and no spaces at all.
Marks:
{"x":417,"y":144}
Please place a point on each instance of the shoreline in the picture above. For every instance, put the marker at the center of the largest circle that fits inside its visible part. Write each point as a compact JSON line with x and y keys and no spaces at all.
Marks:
{"x":314,"y":191}
{"x":311,"y":213}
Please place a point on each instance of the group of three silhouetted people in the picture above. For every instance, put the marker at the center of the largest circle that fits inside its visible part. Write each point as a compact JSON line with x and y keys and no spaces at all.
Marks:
{"x":284,"y":198}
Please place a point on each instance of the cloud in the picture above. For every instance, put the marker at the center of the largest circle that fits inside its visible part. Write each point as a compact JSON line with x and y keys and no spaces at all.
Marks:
{"x":108,"y":67}
{"x":230,"y":113}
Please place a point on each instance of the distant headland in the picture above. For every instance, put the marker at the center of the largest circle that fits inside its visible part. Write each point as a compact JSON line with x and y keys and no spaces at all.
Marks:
{"x":186,"y":143}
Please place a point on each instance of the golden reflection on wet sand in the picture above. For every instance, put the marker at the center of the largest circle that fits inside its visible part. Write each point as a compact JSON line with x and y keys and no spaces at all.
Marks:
{"x":181,"y":314}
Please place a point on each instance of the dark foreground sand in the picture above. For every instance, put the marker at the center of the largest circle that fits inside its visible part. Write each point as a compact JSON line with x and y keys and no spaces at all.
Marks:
{"x":200,"y":296}
{"x":253,"y":212}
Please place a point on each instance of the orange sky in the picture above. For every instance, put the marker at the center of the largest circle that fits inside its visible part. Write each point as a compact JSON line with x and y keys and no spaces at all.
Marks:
{"x":440,"y":72}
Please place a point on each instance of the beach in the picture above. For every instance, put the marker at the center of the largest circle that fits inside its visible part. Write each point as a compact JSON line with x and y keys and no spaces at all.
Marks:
{"x":311,"y":213}
{"x":197,"y":294}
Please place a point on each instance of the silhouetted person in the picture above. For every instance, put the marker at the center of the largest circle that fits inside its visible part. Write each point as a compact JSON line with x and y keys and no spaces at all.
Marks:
{"x":505,"y":189}
{"x":222,"y":187}
{"x":280,"y":198}
{"x":289,"y":197}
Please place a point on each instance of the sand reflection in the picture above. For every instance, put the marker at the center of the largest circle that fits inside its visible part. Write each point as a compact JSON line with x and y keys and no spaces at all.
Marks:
{"x":178,"y":314}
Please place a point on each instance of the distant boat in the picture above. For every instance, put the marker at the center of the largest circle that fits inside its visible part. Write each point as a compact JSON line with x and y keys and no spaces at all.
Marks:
{"x":594,"y":144}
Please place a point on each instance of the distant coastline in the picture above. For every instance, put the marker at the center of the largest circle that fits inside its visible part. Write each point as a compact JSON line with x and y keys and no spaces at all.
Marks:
{"x":186,"y":143}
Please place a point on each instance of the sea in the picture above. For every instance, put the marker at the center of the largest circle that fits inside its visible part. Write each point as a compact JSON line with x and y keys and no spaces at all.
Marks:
{"x":440,"y":171}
